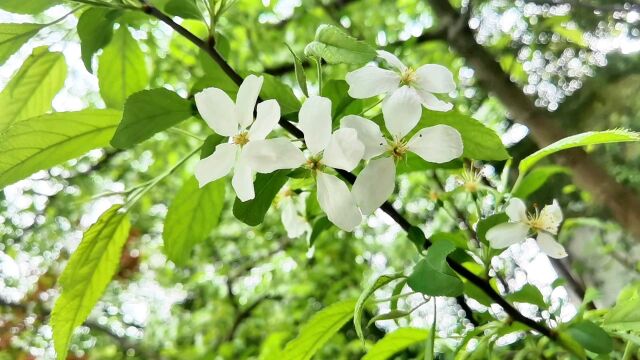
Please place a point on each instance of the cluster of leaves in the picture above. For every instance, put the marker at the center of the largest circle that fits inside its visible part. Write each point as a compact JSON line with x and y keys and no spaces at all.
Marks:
{"x":136,"y":111}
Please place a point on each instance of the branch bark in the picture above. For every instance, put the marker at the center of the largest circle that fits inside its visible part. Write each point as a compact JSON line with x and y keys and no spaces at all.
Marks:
{"x":483,"y":284}
{"x":623,"y":203}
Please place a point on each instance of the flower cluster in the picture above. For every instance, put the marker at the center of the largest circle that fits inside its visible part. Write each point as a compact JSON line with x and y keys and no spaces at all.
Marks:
{"x":406,"y":90}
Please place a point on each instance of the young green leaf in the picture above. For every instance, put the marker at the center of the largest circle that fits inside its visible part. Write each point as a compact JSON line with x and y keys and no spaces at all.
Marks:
{"x":320,"y":225}
{"x":396,"y":341}
{"x":95,"y":30}
{"x":624,"y":316}
{"x":41,"y":142}
{"x":300,"y":74}
{"x":87,"y":275}
{"x":186,"y":9}
{"x":584,"y":139}
{"x":29,"y":7}
{"x":252,"y":212}
{"x":536,"y":178}
{"x":364,"y":296}
{"x":13,"y":36}
{"x":25,"y":97}
{"x":391,"y":315}
{"x":485,"y":224}
{"x":318,"y":330}
{"x":193,"y":213}
{"x":480,"y":142}
{"x":591,"y":336}
{"x":528,"y":294}
{"x":121,"y":69}
{"x":433,"y":276}
{"x":336,"y":47}
{"x":148,"y":112}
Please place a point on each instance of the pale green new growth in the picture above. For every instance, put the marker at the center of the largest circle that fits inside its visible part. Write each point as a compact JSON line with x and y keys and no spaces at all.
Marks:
{"x":395,"y":342}
{"x":87,"y":274}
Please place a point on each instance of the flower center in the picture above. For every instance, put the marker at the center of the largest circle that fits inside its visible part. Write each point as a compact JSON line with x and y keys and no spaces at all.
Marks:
{"x":398,"y":148}
{"x":241,"y":138}
{"x":314,"y":164}
{"x":408,"y":77}
{"x":540,"y":223}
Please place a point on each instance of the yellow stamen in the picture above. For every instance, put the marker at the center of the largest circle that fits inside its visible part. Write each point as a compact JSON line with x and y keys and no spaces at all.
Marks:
{"x":241,"y":139}
{"x":408,"y":77}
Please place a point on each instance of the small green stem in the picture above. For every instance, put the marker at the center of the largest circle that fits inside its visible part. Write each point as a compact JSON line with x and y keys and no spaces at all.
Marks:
{"x":395,"y":297}
{"x":319,"y":68}
{"x":370,"y":107}
{"x":628,"y":351}
{"x":159,"y":178}
{"x":186,"y":133}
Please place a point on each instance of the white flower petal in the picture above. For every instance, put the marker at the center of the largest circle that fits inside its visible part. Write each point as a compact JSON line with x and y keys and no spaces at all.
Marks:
{"x":246,"y":99}
{"x":344,"y":150}
{"x":431,"y":102}
{"x":551,"y":217}
{"x":435,"y":79}
{"x":392,"y":60}
{"x":368,"y":133}
{"x":337,"y":202}
{"x":516,"y":210}
{"x":550,"y":246}
{"x":401,"y":110}
{"x":265,"y":156}
{"x":218,"y":111}
{"x":374,"y":184}
{"x":315,"y":123}
{"x":437,"y":144}
{"x":268,"y":115}
{"x":293,"y":222}
{"x":503,"y":235}
{"x":217,"y":164}
{"x":370,"y":81}
{"x":242,"y":181}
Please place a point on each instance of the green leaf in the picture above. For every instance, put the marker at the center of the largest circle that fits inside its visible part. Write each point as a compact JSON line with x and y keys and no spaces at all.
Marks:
{"x":341,"y":103}
{"x":25,"y":96}
{"x":252,"y":212}
{"x":432,"y":275}
{"x":480,"y":142}
{"x":395,"y":342}
{"x":121,"y":69}
{"x":95,"y":29}
{"x":29,"y":7}
{"x":393,"y":304}
{"x":13,"y":36}
{"x":148,"y":112}
{"x":591,"y":336}
{"x":364,"y":296}
{"x":572,"y":345}
{"x":193,"y":213}
{"x":186,"y":9}
{"x":536,"y":178}
{"x":210,"y":143}
{"x":575,"y":36}
{"x":318,"y":330}
{"x":87,"y":274}
{"x":624,"y":316}
{"x":584,"y":139}
{"x":528,"y":294}
{"x":42,"y":142}
{"x":336,"y":47}
{"x":391,"y":315}
{"x":272,"y":88}
{"x":301,"y":77}
{"x":319,"y":226}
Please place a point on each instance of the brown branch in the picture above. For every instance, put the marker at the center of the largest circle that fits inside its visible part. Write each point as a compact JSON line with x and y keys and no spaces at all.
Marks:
{"x":623,"y":202}
{"x":386,"y":207}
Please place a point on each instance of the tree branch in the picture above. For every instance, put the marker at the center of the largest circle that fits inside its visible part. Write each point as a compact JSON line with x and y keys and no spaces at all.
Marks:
{"x":386,"y":207}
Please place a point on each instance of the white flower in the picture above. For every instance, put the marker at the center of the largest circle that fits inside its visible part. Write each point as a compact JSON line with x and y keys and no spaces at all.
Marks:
{"x":545,"y":223}
{"x":233,"y":120}
{"x":406,"y":89}
{"x":294,"y":222}
{"x":340,"y":150}
{"x":375,"y":183}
